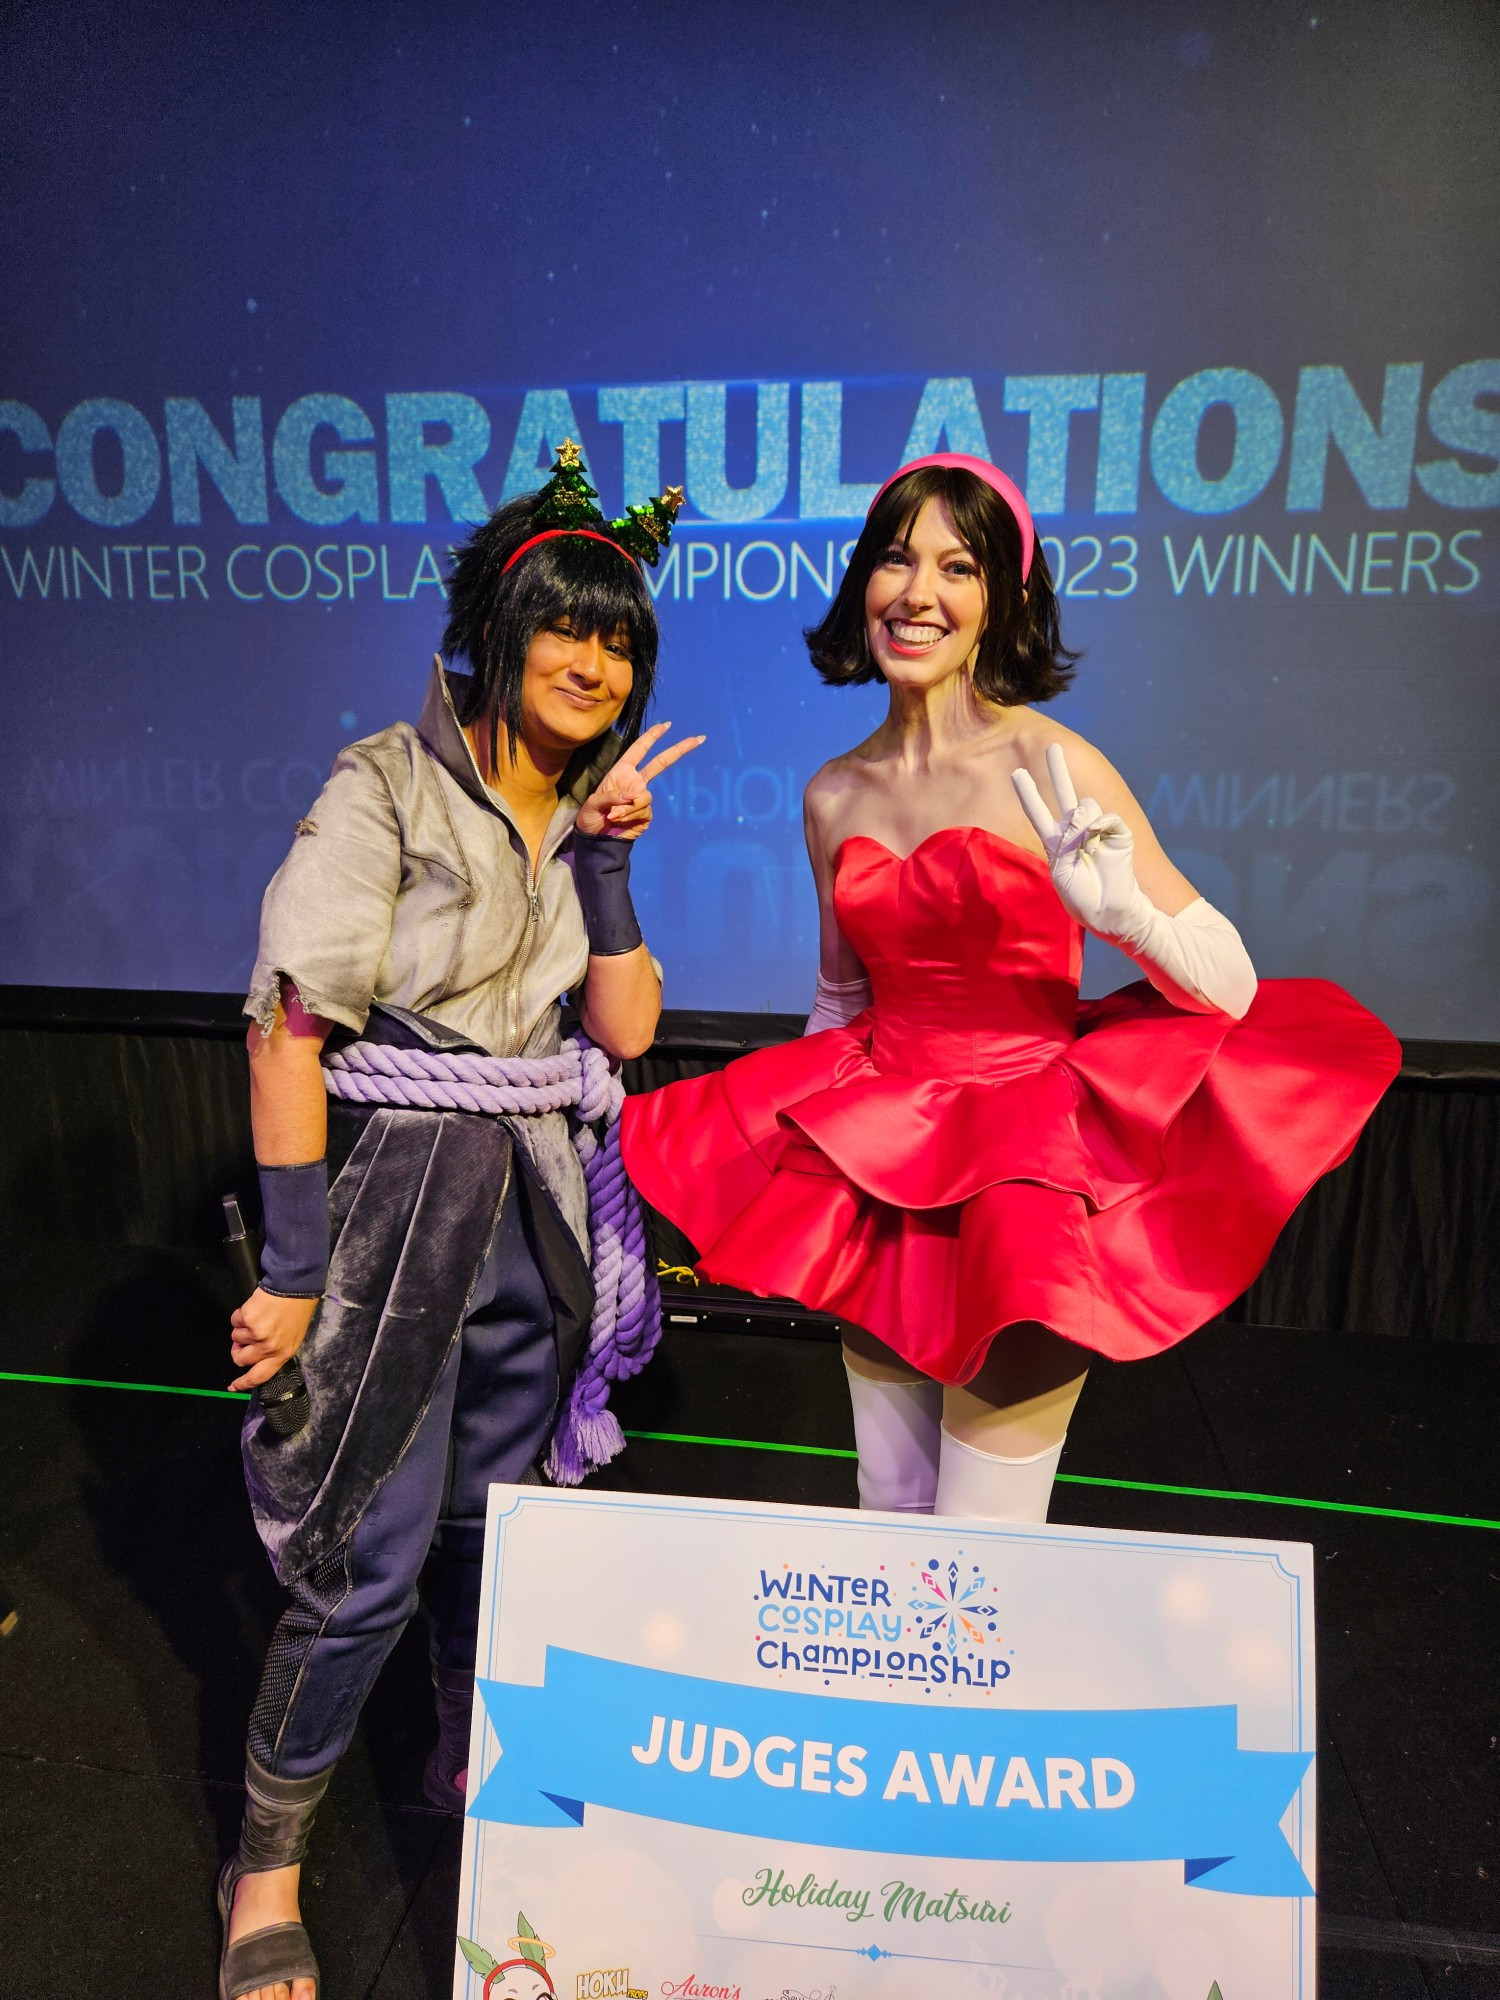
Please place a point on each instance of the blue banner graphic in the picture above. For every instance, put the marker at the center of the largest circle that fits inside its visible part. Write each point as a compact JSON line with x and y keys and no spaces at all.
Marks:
{"x":888,"y":1777}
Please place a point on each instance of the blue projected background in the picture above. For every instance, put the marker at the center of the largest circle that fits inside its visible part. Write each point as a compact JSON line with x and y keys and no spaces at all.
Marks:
{"x":290,"y":294}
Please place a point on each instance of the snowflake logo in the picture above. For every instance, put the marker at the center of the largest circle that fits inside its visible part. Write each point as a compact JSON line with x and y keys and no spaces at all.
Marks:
{"x":949,"y":1606}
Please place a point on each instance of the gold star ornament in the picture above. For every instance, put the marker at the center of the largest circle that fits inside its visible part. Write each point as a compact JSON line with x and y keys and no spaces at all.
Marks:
{"x":566,"y":501}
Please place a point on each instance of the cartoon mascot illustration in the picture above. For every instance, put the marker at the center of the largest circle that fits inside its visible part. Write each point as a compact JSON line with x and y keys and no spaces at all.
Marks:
{"x":523,"y":1978}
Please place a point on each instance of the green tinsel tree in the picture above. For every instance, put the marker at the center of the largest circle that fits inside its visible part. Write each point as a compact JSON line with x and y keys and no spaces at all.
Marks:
{"x":567,"y":501}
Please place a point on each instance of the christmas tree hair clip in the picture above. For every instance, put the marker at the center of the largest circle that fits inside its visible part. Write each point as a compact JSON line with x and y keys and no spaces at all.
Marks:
{"x":565,"y":506}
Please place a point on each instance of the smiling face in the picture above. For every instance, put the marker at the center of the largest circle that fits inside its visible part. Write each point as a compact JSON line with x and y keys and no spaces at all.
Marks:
{"x":574,"y":688}
{"x":925,"y":603}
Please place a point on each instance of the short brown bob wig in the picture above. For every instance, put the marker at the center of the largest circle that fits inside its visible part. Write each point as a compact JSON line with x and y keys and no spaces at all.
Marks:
{"x":1021,"y":656}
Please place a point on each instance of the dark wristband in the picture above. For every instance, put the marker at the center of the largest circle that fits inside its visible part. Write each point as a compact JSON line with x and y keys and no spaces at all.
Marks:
{"x":601,"y":870}
{"x":294,"y":1201}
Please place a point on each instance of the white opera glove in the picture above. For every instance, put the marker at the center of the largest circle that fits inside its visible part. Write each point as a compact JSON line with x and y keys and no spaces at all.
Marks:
{"x":836,"y":1003}
{"x":1196,"y":959}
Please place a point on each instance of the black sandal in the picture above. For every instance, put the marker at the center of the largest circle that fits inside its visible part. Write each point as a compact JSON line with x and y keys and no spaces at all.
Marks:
{"x":278,"y":1820}
{"x":273,"y":1956}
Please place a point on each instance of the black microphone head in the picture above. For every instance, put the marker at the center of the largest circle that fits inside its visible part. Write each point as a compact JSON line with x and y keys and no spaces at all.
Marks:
{"x":284,"y":1402}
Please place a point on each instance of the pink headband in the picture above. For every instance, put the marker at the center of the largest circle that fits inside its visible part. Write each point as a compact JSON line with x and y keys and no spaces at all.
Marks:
{"x":992,"y":476}
{"x":550,"y":534}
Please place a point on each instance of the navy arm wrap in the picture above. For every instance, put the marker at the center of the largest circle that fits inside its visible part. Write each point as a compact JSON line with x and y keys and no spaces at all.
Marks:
{"x":294,"y":1262}
{"x":601,"y":871}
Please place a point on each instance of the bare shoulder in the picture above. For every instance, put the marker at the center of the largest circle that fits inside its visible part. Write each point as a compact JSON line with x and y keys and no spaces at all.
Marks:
{"x":822,"y":784}
{"x":1091,"y":771}
{"x":831,"y":784}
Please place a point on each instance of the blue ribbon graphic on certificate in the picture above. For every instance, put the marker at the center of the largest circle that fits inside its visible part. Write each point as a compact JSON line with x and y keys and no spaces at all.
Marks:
{"x":894,"y":1777}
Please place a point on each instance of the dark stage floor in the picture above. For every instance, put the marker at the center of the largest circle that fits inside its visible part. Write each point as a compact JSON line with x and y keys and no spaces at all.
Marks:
{"x":145,"y":1602}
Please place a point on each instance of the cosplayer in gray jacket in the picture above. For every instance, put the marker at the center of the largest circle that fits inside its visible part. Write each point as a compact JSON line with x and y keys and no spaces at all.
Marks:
{"x":427,"y":1267}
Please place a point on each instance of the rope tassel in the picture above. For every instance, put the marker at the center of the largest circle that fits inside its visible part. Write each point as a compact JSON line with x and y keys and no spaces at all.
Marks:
{"x":626,"y":1323}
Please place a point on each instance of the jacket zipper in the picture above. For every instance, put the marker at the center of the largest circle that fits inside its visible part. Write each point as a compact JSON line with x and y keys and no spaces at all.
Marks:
{"x":522,"y":955}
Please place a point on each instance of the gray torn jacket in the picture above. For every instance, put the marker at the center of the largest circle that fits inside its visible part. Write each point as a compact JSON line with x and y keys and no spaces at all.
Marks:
{"x":409,"y":887}
{"x":409,"y":883}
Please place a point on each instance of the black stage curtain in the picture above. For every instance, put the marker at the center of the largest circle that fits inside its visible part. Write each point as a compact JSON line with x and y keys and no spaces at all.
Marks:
{"x":125,"y":1118}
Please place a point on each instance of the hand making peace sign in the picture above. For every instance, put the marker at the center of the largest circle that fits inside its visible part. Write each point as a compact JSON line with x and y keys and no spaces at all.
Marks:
{"x":1089,"y":851}
{"x":620,"y":805}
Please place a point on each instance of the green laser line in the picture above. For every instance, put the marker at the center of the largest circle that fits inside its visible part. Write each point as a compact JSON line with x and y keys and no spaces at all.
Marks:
{"x":148,"y":1388}
{"x":1286,"y":1500}
{"x":1087,"y":1479}
{"x":837,"y":1451}
{"x":745,"y":1444}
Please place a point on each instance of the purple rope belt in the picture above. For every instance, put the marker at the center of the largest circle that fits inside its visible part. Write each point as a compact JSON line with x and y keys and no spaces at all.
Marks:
{"x":627,"y":1308}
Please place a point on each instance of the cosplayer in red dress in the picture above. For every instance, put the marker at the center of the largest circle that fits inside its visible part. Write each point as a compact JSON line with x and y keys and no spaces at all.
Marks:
{"x":987,"y":1176}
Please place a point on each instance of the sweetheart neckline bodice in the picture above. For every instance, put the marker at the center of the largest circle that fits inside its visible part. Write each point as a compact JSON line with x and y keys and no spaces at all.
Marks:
{"x":940,"y":833}
{"x":973,"y":961}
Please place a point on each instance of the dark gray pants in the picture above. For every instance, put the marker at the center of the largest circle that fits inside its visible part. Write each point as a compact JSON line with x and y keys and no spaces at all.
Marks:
{"x":488,"y":1419}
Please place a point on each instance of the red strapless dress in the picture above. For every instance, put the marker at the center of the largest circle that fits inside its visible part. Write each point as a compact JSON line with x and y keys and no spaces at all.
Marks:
{"x":980,"y":1147}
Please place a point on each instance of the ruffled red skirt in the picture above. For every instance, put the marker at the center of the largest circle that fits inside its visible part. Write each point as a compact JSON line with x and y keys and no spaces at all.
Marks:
{"x":1122,"y":1192}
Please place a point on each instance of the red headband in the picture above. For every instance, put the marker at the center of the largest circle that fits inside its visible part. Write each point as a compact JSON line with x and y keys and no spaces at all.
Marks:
{"x":993,"y":477}
{"x":550,"y":534}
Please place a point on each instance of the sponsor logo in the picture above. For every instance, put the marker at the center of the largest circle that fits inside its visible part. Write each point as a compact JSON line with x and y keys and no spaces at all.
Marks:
{"x":695,"y":1988}
{"x":931,"y":1622}
{"x":613,"y":1983}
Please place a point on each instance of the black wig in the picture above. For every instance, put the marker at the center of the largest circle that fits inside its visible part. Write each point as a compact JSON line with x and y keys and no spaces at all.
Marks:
{"x":1021,"y":656}
{"x":495,"y":613}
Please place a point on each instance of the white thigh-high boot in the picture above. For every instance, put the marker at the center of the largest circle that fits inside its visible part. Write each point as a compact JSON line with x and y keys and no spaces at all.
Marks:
{"x":896,"y":1427}
{"x":978,"y":1485}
